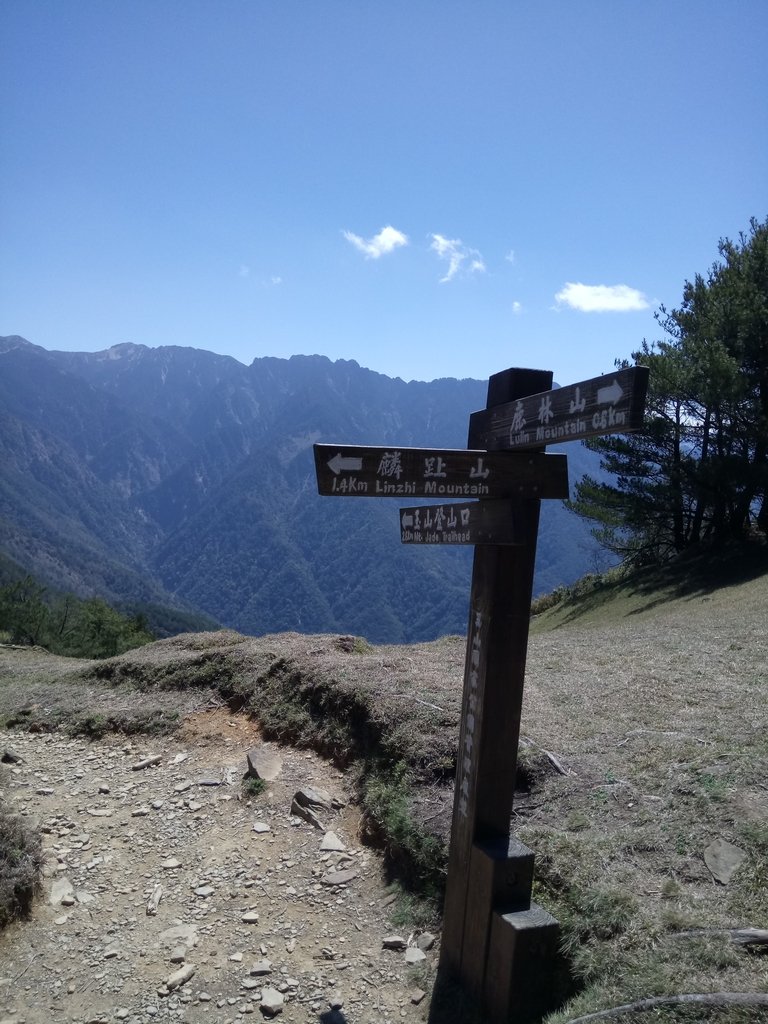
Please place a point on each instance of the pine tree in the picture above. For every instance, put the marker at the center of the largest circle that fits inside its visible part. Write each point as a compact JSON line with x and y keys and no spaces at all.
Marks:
{"x":698,"y":471}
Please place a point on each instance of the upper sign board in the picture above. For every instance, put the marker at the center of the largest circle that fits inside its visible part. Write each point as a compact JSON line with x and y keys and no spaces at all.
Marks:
{"x":352,"y":470}
{"x":612,"y":404}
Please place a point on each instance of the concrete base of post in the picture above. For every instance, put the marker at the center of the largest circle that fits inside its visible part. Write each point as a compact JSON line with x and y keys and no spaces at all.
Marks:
{"x":500,"y":878}
{"x":521,"y":975}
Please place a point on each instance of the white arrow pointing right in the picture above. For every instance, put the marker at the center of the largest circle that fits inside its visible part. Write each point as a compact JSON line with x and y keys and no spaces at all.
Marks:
{"x":610,"y":394}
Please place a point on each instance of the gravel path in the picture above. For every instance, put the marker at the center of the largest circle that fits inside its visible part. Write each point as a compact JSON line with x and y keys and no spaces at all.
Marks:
{"x":255,"y":916}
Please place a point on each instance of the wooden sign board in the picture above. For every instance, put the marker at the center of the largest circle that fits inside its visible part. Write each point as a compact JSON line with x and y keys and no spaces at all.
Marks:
{"x":356,"y":471}
{"x":611,"y":404}
{"x":474,"y":522}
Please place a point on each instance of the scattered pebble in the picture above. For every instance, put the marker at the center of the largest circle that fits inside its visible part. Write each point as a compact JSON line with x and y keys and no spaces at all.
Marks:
{"x":414,"y":955}
{"x":287,"y":891}
{"x":180,"y":977}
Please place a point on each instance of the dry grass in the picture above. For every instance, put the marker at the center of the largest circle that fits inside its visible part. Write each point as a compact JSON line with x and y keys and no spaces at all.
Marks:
{"x":654,"y":700}
{"x":20,"y":865}
{"x":43,"y":692}
{"x":659,"y":710}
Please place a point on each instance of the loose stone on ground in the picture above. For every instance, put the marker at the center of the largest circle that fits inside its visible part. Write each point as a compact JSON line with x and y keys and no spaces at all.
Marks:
{"x":208,"y":909}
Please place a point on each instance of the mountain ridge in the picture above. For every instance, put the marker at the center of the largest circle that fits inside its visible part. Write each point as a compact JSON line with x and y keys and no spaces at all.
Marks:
{"x":181,"y":476}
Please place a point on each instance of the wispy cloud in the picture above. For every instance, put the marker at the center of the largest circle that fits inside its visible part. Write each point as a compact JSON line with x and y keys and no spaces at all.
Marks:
{"x":273,"y":281}
{"x":510,"y":257}
{"x":601,"y":298}
{"x":387,"y":240}
{"x":517,"y":308}
{"x":456,"y":254}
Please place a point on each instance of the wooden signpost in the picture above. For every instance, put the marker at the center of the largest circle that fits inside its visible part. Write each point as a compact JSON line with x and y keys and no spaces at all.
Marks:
{"x":354,"y":471}
{"x":498,"y":945}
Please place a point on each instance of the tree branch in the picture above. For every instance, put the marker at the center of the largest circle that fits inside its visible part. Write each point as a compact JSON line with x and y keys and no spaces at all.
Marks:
{"x":660,"y":732}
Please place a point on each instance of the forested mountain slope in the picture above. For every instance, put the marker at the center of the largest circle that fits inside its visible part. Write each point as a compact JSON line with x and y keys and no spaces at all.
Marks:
{"x":176,"y":475}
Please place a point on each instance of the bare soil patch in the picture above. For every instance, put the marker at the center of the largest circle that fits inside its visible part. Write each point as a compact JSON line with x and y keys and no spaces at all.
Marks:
{"x":242,"y":910}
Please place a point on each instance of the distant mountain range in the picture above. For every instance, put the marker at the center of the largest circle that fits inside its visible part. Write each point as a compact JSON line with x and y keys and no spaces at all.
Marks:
{"x":176,"y":478}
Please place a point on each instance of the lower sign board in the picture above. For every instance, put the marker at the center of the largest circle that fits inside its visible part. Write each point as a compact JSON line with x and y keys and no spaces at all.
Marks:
{"x":474,"y":522}
{"x":352,"y":470}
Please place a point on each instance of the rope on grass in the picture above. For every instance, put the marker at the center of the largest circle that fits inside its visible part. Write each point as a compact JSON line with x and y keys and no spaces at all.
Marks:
{"x":720,"y":999}
{"x":740,"y":936}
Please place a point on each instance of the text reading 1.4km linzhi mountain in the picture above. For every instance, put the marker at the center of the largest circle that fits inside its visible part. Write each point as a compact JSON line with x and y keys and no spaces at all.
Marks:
{"x":352,"y":470}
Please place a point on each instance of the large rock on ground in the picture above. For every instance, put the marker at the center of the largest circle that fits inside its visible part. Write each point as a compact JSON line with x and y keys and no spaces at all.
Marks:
{"x":723,"y":859}
{"x":264,"y":763}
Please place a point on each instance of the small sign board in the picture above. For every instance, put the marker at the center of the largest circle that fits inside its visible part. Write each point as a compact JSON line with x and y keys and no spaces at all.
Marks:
{"x":356,"y":471}
{"x":611,"y":404}
{"x":473,"y":522}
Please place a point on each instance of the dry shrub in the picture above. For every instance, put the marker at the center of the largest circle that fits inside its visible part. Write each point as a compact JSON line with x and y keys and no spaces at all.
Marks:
{"x":20,"y":863}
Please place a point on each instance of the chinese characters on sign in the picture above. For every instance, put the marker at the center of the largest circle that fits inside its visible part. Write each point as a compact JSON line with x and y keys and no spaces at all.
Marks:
{"x":434,"y":470}
{"x":476,"y":522}
{"x":466,"y":760}
{"x":440,"y":524}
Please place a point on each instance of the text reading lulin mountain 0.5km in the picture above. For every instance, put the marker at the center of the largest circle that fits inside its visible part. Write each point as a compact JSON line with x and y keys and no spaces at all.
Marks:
{"x":611,"y":404}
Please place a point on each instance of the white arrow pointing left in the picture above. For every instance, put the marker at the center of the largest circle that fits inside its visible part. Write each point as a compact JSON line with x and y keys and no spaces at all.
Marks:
{"x":340,"y":463}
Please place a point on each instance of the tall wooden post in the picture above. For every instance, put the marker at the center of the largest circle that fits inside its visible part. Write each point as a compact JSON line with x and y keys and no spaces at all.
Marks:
{"x":499,"y":946}
{"x":487,"y":871}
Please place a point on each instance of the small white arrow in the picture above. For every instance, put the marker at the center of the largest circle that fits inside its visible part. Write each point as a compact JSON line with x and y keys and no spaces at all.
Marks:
{"x":406,"y":520}
{"x":339,"y":463}
{"x":610,"y":394}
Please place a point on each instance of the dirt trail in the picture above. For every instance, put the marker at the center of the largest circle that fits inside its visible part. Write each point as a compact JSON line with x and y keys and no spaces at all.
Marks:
{"x":255,"y":915}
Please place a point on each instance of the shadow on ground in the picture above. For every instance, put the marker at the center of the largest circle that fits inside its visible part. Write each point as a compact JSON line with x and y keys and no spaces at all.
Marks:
{"x":695,"y":574}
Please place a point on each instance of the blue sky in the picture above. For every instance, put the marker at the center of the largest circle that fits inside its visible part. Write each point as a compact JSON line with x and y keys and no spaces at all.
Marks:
{"x":430,"y":188}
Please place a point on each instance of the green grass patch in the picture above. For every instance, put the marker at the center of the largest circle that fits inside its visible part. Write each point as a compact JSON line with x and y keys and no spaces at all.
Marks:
{"x":254,"y":787}
{"x":411,"y":911}
{"x":420,"y":856}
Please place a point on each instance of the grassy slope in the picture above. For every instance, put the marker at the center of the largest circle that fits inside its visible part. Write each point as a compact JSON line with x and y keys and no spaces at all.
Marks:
{"x":651,"y":692}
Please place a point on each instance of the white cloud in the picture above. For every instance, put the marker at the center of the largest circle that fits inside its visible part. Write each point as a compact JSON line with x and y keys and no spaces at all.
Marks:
{"x":517,"y":308}
{"x":510,"y":257}
{"x":273,"y":281}
{"x":601,"y":298}
{"x":387,"y":240}
{"x":454,"y":252}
